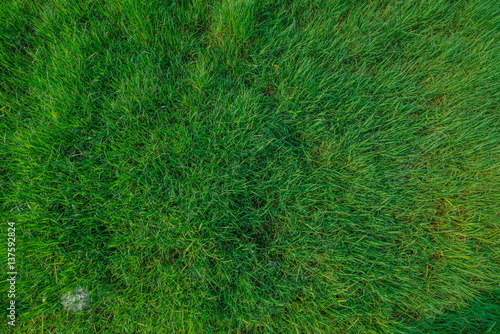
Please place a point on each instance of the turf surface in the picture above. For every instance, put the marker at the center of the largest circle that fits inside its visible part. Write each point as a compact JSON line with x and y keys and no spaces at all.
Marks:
{"x":252,"y":166}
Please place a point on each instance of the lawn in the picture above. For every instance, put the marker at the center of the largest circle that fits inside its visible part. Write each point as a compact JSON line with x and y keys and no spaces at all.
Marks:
{"x":251,"y":166}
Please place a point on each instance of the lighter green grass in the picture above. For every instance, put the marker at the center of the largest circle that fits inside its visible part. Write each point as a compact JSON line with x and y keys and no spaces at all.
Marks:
{"x":252,"y":166}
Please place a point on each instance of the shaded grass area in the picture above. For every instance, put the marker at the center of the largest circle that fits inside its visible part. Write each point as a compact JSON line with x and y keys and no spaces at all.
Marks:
{"x":253,"y":166}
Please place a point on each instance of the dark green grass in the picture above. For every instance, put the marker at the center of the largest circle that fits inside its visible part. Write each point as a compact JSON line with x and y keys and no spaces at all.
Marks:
{"x":252,"y":166}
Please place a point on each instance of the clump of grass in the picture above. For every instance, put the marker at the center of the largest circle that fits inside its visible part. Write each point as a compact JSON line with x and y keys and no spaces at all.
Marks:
{"x":253,"y":166}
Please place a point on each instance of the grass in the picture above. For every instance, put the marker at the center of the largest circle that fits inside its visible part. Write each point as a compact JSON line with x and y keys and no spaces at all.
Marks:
{"x":252,"y":166}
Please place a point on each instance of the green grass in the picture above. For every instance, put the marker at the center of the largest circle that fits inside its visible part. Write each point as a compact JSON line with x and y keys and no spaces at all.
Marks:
{"x":252,"y":166}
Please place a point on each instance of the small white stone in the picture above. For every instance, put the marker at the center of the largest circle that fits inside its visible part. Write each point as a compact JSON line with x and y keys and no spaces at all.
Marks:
{"x":75,"y":300}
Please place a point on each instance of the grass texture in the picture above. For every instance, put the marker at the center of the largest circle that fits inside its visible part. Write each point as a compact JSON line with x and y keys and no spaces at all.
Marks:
{"x":252,"y":166}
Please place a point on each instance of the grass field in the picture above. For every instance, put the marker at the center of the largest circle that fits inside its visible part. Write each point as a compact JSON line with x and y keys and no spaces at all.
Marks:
{"x":251,"y":166}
